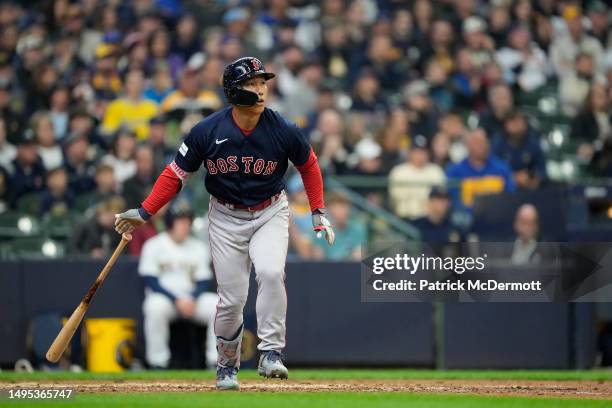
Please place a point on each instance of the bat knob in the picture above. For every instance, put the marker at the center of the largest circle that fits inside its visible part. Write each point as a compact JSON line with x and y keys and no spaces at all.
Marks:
{"x":52,"y":357}
{"x":126,"y":236}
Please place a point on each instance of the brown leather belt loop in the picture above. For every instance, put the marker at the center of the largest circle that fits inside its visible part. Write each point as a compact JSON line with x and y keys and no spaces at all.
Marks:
{"x":257,"y":207}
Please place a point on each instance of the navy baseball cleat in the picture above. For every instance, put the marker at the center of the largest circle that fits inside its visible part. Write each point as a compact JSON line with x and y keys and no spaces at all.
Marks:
{"x":227,"y":378}
{"x":271,"y":365}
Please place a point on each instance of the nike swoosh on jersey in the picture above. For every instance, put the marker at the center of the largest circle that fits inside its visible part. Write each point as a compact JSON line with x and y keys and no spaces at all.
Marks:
{"x":217,"y":141}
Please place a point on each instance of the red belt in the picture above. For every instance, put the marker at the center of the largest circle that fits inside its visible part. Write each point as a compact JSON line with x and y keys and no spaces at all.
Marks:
{"x":257,"y":207}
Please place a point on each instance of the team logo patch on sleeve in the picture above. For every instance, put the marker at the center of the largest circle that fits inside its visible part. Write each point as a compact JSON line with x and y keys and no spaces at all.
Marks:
{"x":183,"y":149}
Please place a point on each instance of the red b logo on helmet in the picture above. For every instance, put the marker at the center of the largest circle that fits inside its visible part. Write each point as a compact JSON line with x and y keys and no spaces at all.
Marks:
{"x":256,"y":64}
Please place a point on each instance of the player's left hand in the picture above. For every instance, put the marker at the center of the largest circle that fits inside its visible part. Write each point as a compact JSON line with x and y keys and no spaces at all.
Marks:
{"x":128,"y":221}
{"x":321,"y":225}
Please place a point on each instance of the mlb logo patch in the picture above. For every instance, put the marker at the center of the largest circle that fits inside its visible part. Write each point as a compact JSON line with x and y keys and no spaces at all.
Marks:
{"x":183,"y":149}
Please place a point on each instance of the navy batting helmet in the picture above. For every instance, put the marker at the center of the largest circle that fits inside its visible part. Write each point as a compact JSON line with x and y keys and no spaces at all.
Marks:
{"x":239,"y":71}
{"x":178,"y":209}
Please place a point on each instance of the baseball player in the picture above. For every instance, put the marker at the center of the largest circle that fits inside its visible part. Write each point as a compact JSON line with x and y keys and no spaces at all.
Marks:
{"x":177,"y":276}
{"x":246,"y":149}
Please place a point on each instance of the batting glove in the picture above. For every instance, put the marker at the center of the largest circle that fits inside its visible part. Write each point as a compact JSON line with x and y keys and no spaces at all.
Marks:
{"x":321,"y":225}
{"x":129,"y":220}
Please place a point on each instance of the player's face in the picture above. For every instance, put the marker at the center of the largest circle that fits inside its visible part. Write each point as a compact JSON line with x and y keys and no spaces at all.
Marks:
{"x":181,"y":229}
{"x":259,"y":86}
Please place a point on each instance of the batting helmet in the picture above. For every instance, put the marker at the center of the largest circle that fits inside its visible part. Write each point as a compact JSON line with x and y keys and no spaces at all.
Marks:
{"x":239,"y":71}
{"x":180,"y":209}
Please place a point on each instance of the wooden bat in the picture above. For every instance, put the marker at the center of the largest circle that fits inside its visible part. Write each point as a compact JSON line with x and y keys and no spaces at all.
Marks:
{"x":63,"y":338}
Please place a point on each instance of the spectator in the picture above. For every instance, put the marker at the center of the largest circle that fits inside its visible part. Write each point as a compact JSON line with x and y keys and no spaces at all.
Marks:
{"x":138,"y":186}
{"x":440,"y":47}
{"x":212,"y":71}
{"x":451,"y":124}
{"x":598,"y":17}
{"x":80,"y":168}
{"x":57,"y":200}
{"x":567,"y":46}
{"x":480,"y":173}
{"x":48,"y":150}
{"x":501,"y":103}
{"x":188,"y":98}
{"x":411,"y":182}
{"x":440,"y":149}
{"x":592,"y":127}
{"x":436,"y":225}
{"x":95,"y":236}
{"x":499,"y":25}
{"x":7,"y":150}
{"x":146,"y":232}
{"x":524,"y":63}
{"x":526,"y":226}
{"x":186,"y":41}
{"x":543,"y":33}
{"x":162,"y":153}
{"x":161,"y":86}
{"x":131,"y":111}
{"x":423,"y":21}
{"x":367,"y":159}
{"x":105,"y":81}
{"x":121,"y":158}
{"x":59,"y":103}
{"x":466,"y":81}
{"x":327,"y":141}
{"x":351,"y":232}
{"x":9,"y":114}
{"x":27,"y":170}
{"x":394,"y":140}
{"x":160,"y":54}
{"x":178,"y":279}
{"x":81,"y":122}
{"x":366,"y":94}
{"x":519,"y":146}
{"x":335,"y":51}
{"x":300,"y":221}
{"x":384,"y":62}
{"x":479,"y":45}
{"x":422,"y":115}
{"x":105,"y":187}
{"x":574,"y":85}
{"x":304,"y":98}
{"x":439,"y":86}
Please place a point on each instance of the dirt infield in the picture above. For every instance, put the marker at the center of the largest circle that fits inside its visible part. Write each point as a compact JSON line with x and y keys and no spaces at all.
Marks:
{"x":573,"y":389}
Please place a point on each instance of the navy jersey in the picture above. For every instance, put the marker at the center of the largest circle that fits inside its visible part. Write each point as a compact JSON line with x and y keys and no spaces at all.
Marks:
{"x":243,"y":169}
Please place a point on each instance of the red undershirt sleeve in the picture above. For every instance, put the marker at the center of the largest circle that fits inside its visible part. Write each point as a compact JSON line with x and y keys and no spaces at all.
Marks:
{"x":313,"y":181}
{"x":167,"y":185}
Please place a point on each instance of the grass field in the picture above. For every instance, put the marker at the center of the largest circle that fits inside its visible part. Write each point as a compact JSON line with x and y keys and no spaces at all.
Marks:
{"x":325,"y":388}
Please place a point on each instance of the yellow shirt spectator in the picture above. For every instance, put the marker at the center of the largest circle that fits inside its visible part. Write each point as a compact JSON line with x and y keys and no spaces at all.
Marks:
{"x":134,"y":115}
{"x":132,"y":111}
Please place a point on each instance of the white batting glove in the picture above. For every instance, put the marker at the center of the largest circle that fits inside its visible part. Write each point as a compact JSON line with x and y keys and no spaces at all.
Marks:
{"x":321,"y":225}
{"x":128,"y":221}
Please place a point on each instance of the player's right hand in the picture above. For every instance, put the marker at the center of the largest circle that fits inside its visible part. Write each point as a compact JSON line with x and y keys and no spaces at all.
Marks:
{"x":128,"y":221}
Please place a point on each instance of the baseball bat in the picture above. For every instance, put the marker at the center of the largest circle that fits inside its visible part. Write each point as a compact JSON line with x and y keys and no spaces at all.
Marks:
{"x":63,"y":338}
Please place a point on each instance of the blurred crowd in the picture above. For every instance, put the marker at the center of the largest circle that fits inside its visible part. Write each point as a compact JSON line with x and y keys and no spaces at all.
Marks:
{"x":96,"y":94}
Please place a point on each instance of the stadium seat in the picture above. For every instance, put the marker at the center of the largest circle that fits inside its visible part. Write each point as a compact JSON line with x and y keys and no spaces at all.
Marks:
{"x":29,"y":203}
{"x":36,"y":247}
{"x":59,"y":227}
{"x":83,"y":202}
{"x":18,"y":224}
